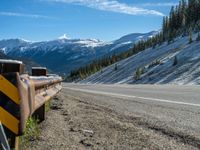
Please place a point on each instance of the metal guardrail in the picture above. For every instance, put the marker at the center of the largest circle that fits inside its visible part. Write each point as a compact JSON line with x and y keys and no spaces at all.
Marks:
{"x":22,"y":96}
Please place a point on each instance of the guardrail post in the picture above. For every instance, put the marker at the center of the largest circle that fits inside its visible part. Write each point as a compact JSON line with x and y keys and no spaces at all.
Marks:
{"x":40,"y":112}
{"x":22,"y":96}
{"x":9,"y":66}
{"x":39,"y":71}
{"x":9,"y":99}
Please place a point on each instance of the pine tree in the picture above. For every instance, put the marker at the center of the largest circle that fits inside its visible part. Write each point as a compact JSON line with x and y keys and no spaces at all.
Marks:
{"x":175,"y":61}
{"x":137,"y":74}
{"x":190,"y":37}
{"x":183,"y":14}
{"x":116,"y":67}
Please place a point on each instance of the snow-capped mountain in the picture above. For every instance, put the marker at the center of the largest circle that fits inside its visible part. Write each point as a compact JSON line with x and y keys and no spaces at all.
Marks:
{"x":135,"y":37}
{"x":8,"y":45}
{"x":65,"y":54}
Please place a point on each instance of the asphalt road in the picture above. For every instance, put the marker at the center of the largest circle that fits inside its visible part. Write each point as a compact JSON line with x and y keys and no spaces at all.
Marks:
{"x":186,"y":95}
{"x":170,"y":110}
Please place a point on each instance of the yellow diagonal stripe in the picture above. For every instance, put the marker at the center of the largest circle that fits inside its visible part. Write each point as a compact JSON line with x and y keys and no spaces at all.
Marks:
{"x":9,"y":121}
{"x":9,"y":89}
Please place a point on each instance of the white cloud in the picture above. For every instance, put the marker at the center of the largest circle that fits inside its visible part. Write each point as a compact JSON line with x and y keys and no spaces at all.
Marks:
{"x":23,"y":15}
{"x":113,"y":6}
{"x":159,"y":4}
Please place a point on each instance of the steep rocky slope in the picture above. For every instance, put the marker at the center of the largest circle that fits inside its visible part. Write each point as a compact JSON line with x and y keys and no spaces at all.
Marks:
{"x":158,"y":65}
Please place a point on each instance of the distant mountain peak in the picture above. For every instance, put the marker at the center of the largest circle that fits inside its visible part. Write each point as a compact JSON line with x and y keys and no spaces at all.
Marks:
{"x":25,"y":40}
{"x":64,"y":37}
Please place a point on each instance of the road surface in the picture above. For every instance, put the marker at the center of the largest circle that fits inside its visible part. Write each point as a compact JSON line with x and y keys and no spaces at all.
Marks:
{"x":122,"y":117}
{"x":185,"y":95}
{"x":169,"y":109}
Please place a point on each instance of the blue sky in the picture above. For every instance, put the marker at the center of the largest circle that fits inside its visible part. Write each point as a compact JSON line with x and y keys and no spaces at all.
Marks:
{"x":38,"y":20}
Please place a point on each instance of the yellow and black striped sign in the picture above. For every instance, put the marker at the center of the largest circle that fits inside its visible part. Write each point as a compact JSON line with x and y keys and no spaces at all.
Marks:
{"x":9,"y":103}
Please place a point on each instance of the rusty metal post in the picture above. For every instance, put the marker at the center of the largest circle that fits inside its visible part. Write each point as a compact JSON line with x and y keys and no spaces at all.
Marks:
{"x":40,"y":112}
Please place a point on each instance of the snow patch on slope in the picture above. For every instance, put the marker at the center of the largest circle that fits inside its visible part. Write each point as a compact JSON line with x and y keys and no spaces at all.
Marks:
{"x":187,"y":71}
{"x":91,"y":43}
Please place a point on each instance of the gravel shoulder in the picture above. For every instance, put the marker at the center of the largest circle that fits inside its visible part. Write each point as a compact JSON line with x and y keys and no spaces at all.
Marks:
{"x":79,"y":121}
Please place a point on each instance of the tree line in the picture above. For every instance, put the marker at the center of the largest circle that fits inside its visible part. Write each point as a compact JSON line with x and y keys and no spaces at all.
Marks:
{"x":183,"y":20}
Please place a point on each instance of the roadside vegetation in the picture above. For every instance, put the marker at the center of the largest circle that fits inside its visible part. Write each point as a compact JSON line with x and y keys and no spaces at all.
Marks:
{"x":31,"y":132}
{"x":183,"y":20}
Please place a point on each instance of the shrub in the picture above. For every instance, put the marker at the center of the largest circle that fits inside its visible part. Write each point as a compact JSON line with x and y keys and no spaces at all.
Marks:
{"x":138,"y":73}
{"x":116,"y":67}
{"x":155,"y":63}
{"x":175,"y":61}
{"x":190,"y":38}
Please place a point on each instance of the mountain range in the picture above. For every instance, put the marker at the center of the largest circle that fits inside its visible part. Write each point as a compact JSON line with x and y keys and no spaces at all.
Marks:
{"x":63,"y":55}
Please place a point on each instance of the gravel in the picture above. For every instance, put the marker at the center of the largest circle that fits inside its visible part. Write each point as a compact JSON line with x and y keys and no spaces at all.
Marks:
{"x":80,"y":121}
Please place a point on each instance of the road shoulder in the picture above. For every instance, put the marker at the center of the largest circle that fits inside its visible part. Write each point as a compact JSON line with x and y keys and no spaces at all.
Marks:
{"x":75,"y":122}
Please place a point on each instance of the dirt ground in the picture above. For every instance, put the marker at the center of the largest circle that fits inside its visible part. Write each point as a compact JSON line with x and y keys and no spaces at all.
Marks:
{"x":78,"y":123}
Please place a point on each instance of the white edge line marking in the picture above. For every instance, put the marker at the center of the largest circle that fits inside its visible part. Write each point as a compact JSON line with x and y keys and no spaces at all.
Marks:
{"x":131,"y":96}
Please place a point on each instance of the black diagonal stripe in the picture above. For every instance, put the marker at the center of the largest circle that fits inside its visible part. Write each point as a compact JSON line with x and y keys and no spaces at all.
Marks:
{"x":11,"y":77}
{"x":11,"y":107}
